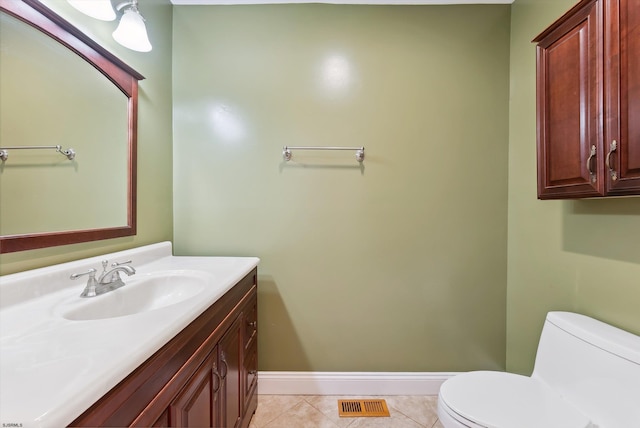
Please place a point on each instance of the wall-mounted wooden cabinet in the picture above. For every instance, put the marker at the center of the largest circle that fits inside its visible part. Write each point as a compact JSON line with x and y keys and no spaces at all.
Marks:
{"x":588,"y":94}
{"x":205,"y":377}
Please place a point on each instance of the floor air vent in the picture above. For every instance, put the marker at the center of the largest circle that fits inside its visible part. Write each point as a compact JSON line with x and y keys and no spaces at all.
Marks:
{"x":362,"y":408}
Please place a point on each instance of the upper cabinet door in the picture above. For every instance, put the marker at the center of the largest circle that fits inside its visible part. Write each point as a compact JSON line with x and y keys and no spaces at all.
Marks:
{"x":570,"y":104}
{"x":588,"y":102}
{"x":622,"y":72}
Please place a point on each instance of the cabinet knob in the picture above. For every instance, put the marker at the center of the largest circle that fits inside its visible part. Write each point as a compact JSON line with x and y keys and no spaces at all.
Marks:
{"x":253,"y":324}
{"x":612,"y":172}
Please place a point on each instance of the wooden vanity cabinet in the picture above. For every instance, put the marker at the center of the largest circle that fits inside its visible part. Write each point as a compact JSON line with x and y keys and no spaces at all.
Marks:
{"x":197,"y":404}
{"x":250,"y":351}
{"x":199,"y":378}
{"x":588,"y":86}
{"x":230,"y":364}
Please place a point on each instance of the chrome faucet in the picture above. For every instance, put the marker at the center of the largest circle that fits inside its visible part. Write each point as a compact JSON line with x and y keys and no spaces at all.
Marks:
{"x":112,"y":277}
{"x":108,"y":280}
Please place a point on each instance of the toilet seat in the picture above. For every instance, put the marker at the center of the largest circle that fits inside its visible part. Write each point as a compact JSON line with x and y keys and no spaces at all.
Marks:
{"x":505,"y":400}
{"x":450,"y":419}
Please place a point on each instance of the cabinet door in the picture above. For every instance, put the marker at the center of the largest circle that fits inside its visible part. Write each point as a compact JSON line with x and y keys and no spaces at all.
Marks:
{"x":163,"y":420}
{"x":197,"y":404}
{"x":229,"y":363}
{"x":622,"y":141}
{"x":570,"y":104}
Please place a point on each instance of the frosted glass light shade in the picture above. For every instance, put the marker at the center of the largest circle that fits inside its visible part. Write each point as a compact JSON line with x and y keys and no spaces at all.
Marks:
{"x":132,"y":33}
{"x":98,"y":9}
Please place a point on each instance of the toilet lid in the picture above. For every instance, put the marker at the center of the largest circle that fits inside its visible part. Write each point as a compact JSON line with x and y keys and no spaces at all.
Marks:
{"x":505,"y":400}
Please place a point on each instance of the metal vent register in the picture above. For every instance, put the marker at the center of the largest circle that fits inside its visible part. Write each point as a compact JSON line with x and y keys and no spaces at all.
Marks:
{"x":362,"y":408}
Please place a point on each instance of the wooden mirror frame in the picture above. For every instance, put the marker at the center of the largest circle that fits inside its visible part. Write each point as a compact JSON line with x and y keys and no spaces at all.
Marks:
{"x":35,"y":14}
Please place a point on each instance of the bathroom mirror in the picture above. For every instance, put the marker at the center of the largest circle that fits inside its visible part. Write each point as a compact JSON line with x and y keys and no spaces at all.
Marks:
{"x":60,"y":88}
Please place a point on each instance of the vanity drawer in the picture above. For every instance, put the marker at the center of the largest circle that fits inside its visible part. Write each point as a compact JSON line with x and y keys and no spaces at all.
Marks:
{"x":251,"y":323}
{"x":250,"y":380}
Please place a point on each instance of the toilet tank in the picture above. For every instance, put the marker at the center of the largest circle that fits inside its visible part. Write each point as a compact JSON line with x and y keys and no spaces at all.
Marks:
{"x":594,"y":366}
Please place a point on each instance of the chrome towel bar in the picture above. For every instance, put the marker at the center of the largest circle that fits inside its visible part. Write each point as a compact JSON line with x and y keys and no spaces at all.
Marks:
{"x":69,"y":153}
{"x":286,"y":151}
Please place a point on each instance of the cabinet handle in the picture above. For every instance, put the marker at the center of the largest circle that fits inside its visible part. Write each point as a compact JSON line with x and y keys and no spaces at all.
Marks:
{"x":612,"y":172}
{"x":223,"y":360}
{"x":591,"y":173}
{"x":253,"y":324}
{"x":217,"y":388}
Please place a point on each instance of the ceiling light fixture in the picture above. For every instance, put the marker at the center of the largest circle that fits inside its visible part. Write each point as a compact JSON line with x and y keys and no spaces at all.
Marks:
{"x":131,"y":32}
{"x":98,"y":9}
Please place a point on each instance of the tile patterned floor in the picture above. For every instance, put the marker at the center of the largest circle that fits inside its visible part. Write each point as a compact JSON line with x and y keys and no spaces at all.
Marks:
{"x":316,"y":411}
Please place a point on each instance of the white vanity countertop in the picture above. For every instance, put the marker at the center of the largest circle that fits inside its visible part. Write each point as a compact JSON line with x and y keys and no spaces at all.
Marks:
{"x":52,"y":369}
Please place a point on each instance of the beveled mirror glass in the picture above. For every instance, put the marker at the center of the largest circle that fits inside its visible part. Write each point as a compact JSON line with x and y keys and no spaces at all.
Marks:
{"x":58,"y":87}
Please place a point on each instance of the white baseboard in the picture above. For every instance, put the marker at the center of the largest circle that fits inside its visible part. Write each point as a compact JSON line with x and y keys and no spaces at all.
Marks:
{"x":350,"y":383}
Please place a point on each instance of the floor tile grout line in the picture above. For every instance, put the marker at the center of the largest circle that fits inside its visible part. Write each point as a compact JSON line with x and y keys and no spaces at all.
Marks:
{"x":328,"y":416}
{"x":283,"y":411}
{"x":420,"y":424}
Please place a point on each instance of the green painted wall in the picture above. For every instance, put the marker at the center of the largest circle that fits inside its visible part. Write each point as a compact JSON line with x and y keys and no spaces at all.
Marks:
{"x":579,"y":256}
{"x":395,"y":265}
{"x":154,"y":139}
{"x":398,"y":264}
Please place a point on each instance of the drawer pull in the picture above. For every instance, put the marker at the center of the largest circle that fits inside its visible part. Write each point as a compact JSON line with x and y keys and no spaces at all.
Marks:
{"x":612,"y":172}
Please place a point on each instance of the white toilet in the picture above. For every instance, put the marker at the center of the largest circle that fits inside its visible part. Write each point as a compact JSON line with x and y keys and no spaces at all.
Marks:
{"x":586,"y":374}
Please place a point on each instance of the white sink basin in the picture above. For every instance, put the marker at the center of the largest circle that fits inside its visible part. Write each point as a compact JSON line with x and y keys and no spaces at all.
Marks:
{"x":142,"y":293}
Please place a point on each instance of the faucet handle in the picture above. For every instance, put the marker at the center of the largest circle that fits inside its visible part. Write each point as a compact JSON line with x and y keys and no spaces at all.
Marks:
{"x":90,"y":289}
{"x":91,"y":272}
{"x":116,"y":264}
